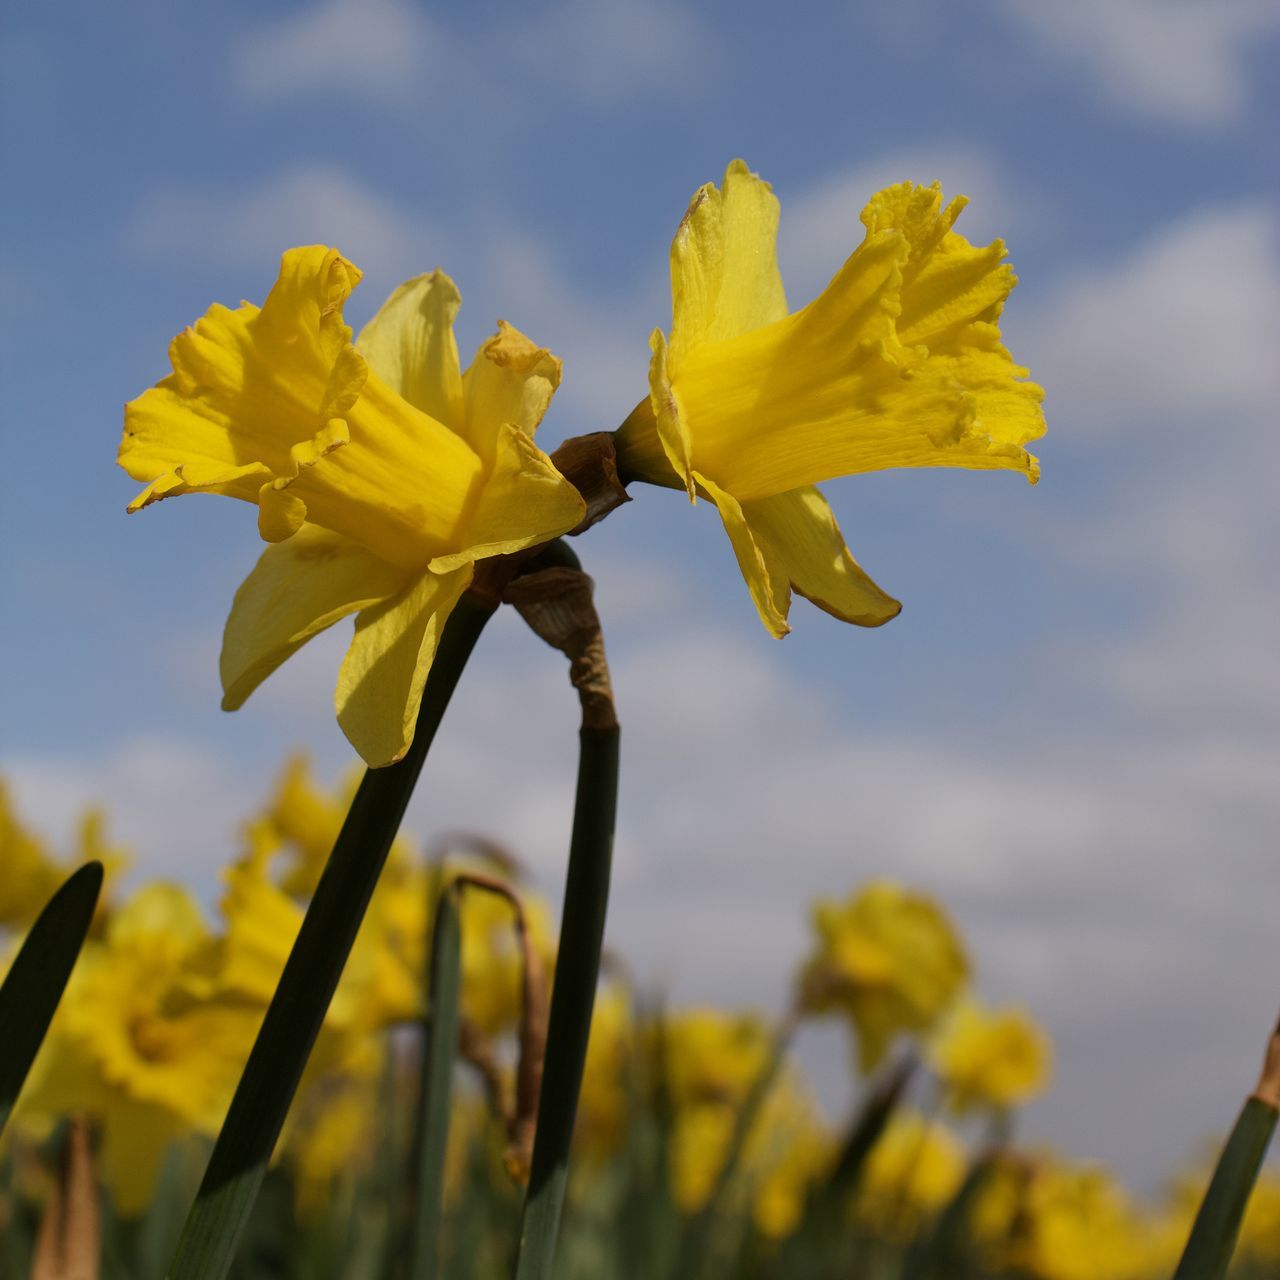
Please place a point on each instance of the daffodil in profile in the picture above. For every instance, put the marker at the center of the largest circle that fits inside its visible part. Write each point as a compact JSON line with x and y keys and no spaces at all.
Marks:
{"x":888,"y":959}
{"x":381,"y":472}
{"x":897,"y":363}
{"x":997,"y":1058}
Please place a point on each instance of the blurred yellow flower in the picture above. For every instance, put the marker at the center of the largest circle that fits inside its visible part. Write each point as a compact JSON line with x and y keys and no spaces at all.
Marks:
{"x":1077,"y":1223}
{"x":991,"y":1057}
{"x":381,"y":473}
{"x":142,"y":1042}
{"x":888,"y":959}
{"x":912,"y":1172}
{"x":607,"y":1093}
{"x":898,"y":363}
{"x":30,"y":873}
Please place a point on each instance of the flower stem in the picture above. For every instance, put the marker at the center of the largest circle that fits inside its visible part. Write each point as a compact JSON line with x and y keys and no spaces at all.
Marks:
{"x":297,"y":1010}
{"x":586,"y":896}
{"x":432,"y":1121}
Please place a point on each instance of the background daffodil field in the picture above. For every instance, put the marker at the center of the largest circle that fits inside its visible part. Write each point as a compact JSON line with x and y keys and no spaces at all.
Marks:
{"x":1022,"y":834}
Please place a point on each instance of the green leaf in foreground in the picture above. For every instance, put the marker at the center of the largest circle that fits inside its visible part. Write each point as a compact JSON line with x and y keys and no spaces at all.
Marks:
{"x":1213,"y":1234}
{"x":294,"y":1017}
{"x":432,"y":1127}
{"x":39,"y":974}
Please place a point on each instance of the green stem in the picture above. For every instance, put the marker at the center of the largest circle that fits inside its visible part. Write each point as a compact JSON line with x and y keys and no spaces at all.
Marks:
{"x":296,"y":1013}
{"x":586,"y":897}
{"x":1213,"y":1235}
{"x":432,"y":1122}
{"x":36,"y":979}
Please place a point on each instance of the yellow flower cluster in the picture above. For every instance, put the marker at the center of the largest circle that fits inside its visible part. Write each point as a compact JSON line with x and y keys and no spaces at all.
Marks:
{"x":161,"y":1012}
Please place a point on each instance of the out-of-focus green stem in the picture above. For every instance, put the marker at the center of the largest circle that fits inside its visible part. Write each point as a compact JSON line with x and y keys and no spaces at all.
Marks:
{"x":296,"y":1013}
{"x":586,"y":897}
{"x":38,"y":975}
{"x":432,"y":1121}
{"x":1217,"y":1225}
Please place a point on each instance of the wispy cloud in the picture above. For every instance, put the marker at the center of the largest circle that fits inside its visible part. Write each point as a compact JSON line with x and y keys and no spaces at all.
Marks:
{"x":1181,"y":60}
{"x":389,"y":52}
{"x":383,"y":50}
{"x":306,"y":204}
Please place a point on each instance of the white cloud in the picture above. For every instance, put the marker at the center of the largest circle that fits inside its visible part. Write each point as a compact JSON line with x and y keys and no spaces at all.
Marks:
{"x":1184,"y":60}
{"x":1180,"y":330}
{"x":381,"y":49}
{"x":389,"y":53}
{"x":306,"y":204}
{"x":612,"y":50}
{"x":820,"y":228}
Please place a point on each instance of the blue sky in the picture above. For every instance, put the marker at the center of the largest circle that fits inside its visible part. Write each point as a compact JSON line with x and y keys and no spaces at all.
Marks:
{"x":1071,"y":732}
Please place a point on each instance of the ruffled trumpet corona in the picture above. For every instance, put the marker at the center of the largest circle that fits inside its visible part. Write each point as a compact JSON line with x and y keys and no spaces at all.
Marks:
{"x":897,"y":363}
{"x":381,"y":473}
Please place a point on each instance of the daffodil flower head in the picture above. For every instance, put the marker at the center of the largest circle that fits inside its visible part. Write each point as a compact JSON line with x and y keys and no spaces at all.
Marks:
{"x":889,"y":960}
{"x":991,"y":1057}
{"x":381,"y":473}
{"x":897,"y":363}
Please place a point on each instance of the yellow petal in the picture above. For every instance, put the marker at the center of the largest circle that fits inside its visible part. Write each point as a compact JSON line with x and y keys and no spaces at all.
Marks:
{"x":264,"y":401}
{"x":512,"y":380}
{"x":382,"y":677}
{"x":724,"y":263}
{"x":524,"y":501}
{"x":664,"y":420}
{"x":135,"y":1138}
{"x":296,"y":590}
{"x":800,"y":533}
{"x":766,"y":578}
{"x":410,"y":345}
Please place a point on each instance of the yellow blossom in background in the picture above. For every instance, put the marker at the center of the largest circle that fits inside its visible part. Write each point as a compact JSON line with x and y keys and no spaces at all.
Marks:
{"x":607,"y":1093}
{"x":1260,"y":1230}
{"x":991,"y":1057}
{"x":788,"y":1151}
{"x":912,"y":1172}
{"x":898,"y":363}
{"x":888,"y":959}
{"x":381,"y":473}
{"x":712,"y":1056}
{"x":143,"y":1043}
{"x":30,"y":873}
{"x":1077,"y":1223}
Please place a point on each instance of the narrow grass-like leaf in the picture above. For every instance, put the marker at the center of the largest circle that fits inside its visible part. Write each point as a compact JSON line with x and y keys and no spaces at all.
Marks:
{"x":586,"y":898}
{"x":432,"y":1122}
{"x":1217,"y":1225}
{"x":38,"y":976}
{"x":294,"y":1017}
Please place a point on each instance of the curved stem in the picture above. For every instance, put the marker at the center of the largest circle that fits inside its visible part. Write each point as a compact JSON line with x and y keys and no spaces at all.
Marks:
{"x":296,"y":1013}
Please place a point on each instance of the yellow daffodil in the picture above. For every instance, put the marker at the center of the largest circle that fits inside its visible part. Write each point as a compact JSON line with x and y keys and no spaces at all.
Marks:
{"x":1078,"y":1224}
{"x":897,"y":363}
{"x":913,"y":1170}
{"x":991,"y":1057}
{"x":607,"y":1093}
{"x":30,"y":873}
{"x":381,"y":473}
{"x":139,"y":1043}
{"x":888,"y":959}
